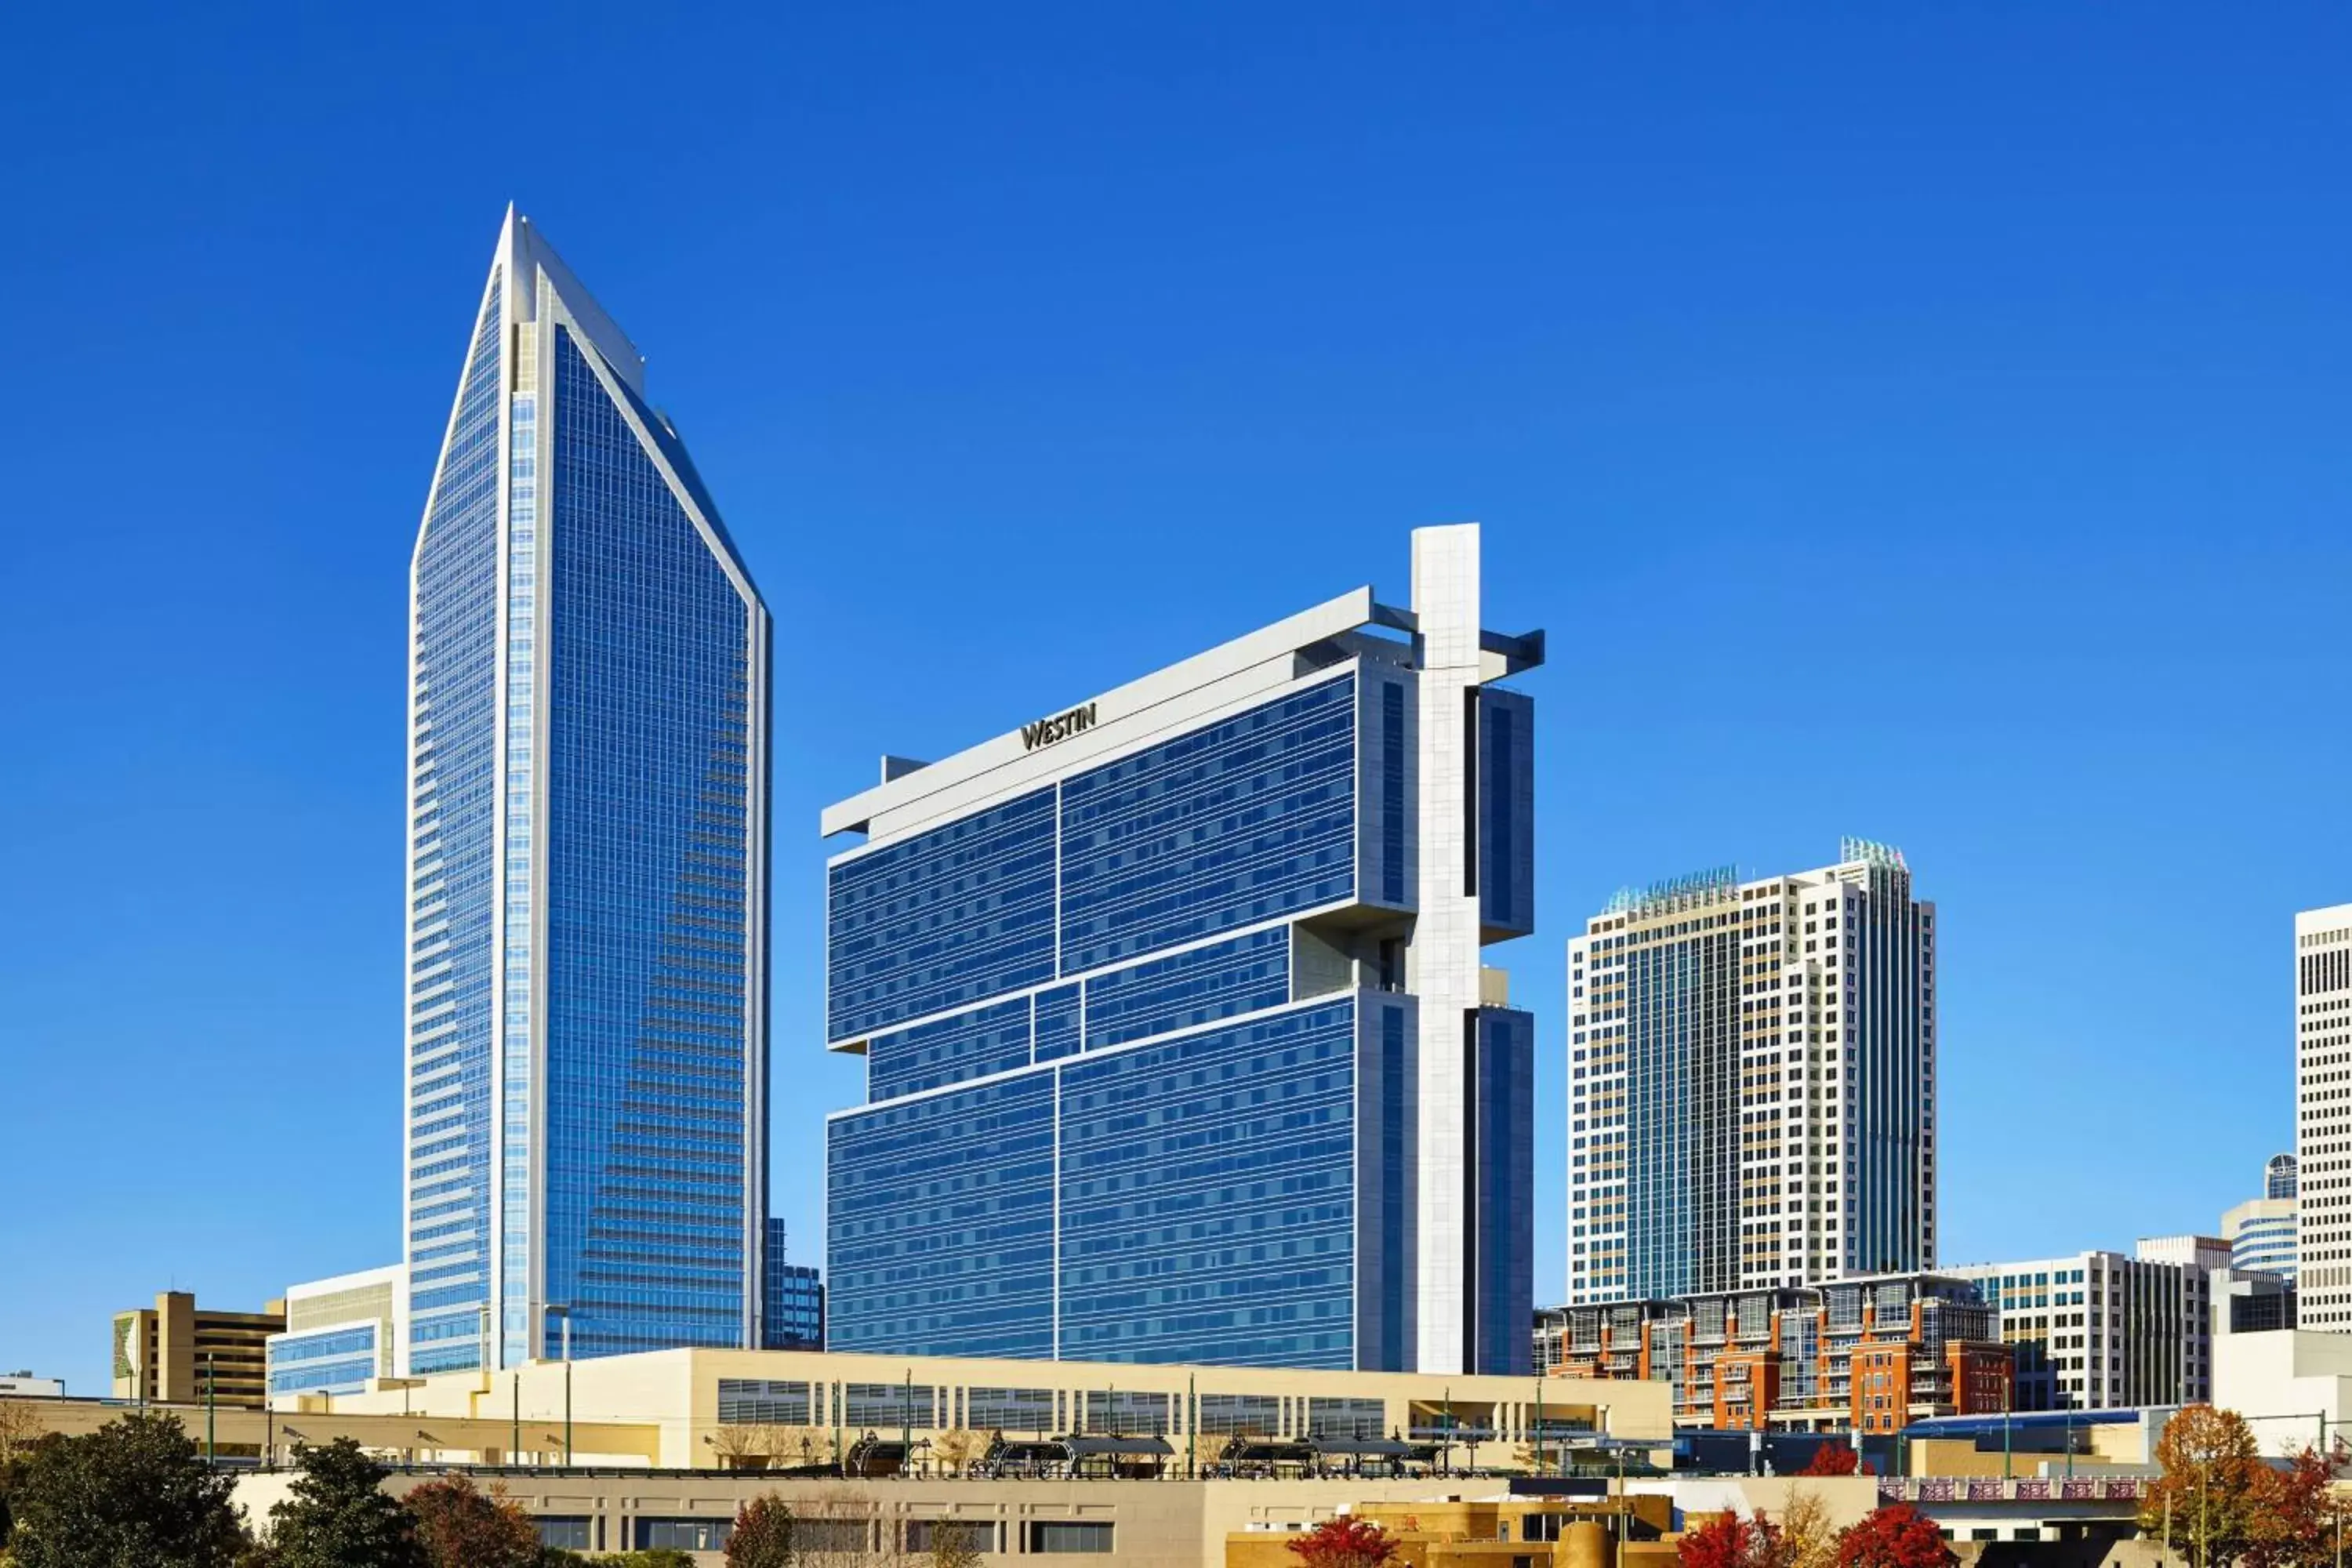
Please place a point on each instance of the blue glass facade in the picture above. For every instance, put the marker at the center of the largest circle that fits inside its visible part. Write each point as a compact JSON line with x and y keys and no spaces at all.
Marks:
{"x":588,"y":875}
{"x":1506,"y":813}
{"x":1207,"y":1202}
{"x":329,"y":1361}
{"x":454,"y":811}
{"x":1503,"y":1150}
{"x":792,"y":1307}
{"x":649,"y":829}
{"x":1142,"y":1071}
{"x":1248,"y":819}
{"x":940,"y":1216}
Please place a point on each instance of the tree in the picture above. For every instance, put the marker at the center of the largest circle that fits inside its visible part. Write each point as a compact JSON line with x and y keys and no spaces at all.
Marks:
{"x":957,"y":1448}
{"x":2215,"y":1489}
{"x":461,"y":1526}
{"x":955,"y":1545}
{"x":1806,"y":1538}
{"x":763,"y":1536}
{"x":21,"y":1426}
{"x":1834,"y":1459}
{"x":2298,"y":1525}
{"x":743,"y":1448}
{"x":1727,"y":1541}
{"x":1344,"y":1543}
{"x":13,"y":1470}
{"x":135,"y":1490}
{"x":337,"y":1516}
{"x":1895,"y":1536}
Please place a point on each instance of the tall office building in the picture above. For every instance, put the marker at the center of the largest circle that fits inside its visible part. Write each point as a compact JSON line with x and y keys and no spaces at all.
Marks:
{"x":2323,"y":1117}
{"x":1752,"y":1082}
{"x":588,"y":862}
{"x":1177,"y":1045}
{"x":2260,"y":1231}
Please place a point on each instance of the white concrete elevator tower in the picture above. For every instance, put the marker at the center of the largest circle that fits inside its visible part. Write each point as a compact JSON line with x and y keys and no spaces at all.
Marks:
{"x":1443,"y":964}
{"x":2323,"y":1117}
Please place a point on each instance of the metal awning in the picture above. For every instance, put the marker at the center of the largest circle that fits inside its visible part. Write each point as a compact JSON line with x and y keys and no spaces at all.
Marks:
{"x":1361,"y":1448}
{"x":1125,"y":1447}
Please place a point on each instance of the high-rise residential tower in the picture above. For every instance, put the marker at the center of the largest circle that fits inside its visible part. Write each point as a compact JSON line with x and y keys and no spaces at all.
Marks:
{"x":1178,"y":1043}
{"x":2323,"y":1117}
{"x":587,"y":900}
{"x":1752,"y":1082}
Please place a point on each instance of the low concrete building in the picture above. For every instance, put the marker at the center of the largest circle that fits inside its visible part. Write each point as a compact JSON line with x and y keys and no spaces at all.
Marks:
{"x":1082,"y":1524}
{"x":178,"y":1352}
{"x":2293,"y":1385}
{"x":24,"y":1386}
{"x":1504,"y":1531}
{"x":707,"y":1405}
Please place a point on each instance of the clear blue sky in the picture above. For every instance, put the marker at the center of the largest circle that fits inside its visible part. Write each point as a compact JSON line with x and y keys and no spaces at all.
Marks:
{"x":1921,"y":421}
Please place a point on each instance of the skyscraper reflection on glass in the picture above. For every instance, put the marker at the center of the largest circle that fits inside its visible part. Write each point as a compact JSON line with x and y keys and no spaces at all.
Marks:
{"x":586,"y":928}
{"x":1178,"y":1043}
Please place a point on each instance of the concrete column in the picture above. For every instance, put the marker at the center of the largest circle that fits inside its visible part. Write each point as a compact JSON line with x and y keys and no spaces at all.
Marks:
{"x":1443,"y":959}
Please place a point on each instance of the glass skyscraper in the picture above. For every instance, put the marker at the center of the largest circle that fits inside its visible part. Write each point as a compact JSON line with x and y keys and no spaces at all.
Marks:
{"x":587,"y":884}
{"x":1178,"y":1043}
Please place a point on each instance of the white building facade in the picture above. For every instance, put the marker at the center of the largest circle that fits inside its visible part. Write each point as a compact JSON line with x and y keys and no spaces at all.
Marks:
{"x":1752,"y":1082}
{"x":2323,"y":1117}
{"x":2099,"y":1330}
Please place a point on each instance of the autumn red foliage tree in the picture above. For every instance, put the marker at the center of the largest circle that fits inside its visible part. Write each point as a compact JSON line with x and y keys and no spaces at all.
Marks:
{"x":1345,"y":1543}
{"x":1834,"y":1459}
{"x":2300,"y":1514}
{"x":1728,"y":1541}
{"x":1895,"y":1536}
{"x":462,"y":1526}
{"x":763,"y":1537}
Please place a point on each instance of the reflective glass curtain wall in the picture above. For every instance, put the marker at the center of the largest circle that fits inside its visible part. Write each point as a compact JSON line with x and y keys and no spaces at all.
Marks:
{"x":588,"y":881}
{"x":1141,"y":1059}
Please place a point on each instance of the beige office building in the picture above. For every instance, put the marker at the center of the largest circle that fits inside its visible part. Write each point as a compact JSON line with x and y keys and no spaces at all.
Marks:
{"x":175,"y":1351}
{"x":2323,"y":1117}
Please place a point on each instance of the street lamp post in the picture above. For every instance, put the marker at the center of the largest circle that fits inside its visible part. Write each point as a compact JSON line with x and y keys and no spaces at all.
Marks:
{"x":1600,"y":1429}
{"x":209,"y":1407}
{"x":1193,"y":1427}
{"x":564,"y":1313}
